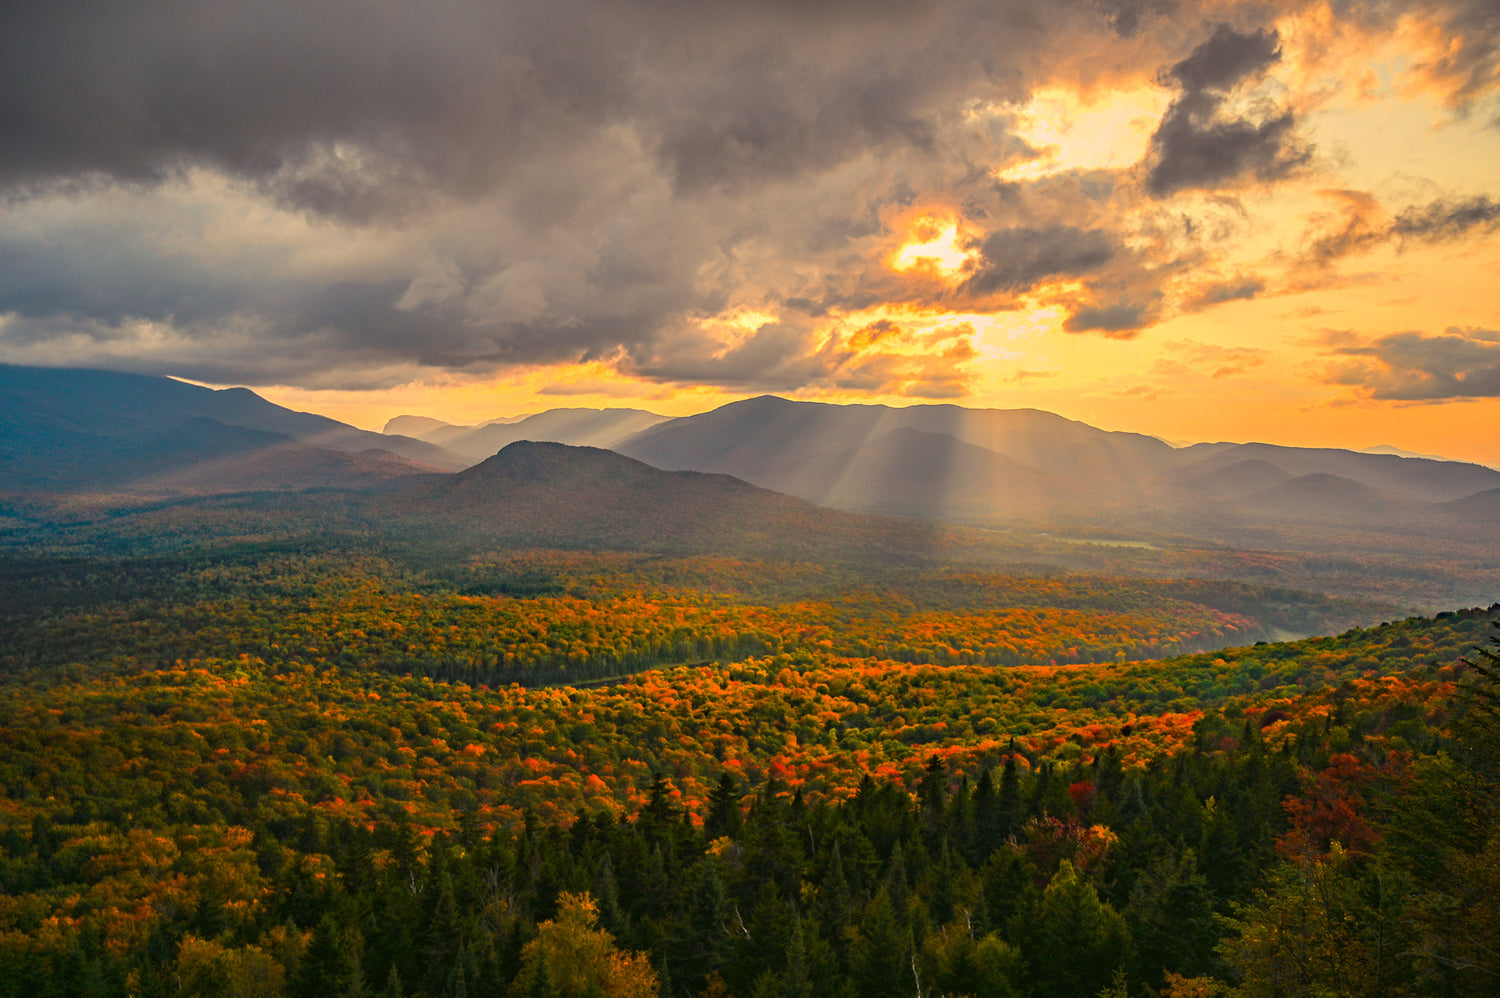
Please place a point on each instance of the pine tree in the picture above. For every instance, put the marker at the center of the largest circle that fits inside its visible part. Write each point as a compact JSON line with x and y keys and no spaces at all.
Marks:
{"x":330,"y":966}
{"x":1010,"y":795}
{"x":797,"y":983}
{"x":1076,"y":942}
{"x":834,"y":896}
{"x":932,"y":793}
{"x":705,"y":943}
{"x":1171,"y":918}
{"x":987,"y":831}
{"x":607,"y":891}
{"x":896,"y":883}
{"x":444,"y":933}
{"x":879,"y":955}
{"x":723,"y":817}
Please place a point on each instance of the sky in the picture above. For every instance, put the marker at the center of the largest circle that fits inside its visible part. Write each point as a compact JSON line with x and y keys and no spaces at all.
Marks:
{"x":1209,"y":220}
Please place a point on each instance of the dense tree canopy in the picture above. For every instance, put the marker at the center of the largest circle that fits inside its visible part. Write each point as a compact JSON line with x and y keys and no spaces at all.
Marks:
{"x":311,"y":773}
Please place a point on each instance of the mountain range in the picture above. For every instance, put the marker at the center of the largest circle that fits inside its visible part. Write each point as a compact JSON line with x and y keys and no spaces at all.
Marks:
{"x":995,"y":467}
{"x":92,"y":431}
{"x":580,"y":427}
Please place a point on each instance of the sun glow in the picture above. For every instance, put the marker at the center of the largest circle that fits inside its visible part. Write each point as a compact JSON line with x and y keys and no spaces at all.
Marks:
{"x":1110,"y":131}
{"x":938,"y":247}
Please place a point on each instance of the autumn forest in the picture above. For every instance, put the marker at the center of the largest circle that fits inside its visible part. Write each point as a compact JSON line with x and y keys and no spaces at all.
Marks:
{"x":323,"y":763}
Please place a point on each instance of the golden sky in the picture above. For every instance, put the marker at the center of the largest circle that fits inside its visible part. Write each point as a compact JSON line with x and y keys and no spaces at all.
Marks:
{"x":1206,"y":221}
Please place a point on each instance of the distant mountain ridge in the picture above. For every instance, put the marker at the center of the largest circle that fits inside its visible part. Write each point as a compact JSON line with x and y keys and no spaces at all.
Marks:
{"x":65,"y":429}
{"x":1421,"y":479}
{"x":999,"y":466}
{"x":578,"y":427}
{"x":774,"y":432}
{"x":950,"y":462}
{"x":1399,"y":452}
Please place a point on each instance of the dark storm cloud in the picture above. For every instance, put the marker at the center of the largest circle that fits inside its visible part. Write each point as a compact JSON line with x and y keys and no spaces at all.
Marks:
{"x":1127,"y":16}
{"x":842,"y":80}
{"x":1415,"y":367}
{"x":100,"y":274}
{"x":1227,"y":58}
{"x":347,"y":106}
{"x":778,"y":355}
{"x":753,"y":133}
{"x":1012,"y":260}
{"x":94,"y":278}
{"x":332,"y":191}
{"x":1120,"y":321}
{"x":323,"y":190}
{"x":92,"y":289}
{"x":1198,"y":146}
{"x":1447,"y":219}
{"x":362,"y":108}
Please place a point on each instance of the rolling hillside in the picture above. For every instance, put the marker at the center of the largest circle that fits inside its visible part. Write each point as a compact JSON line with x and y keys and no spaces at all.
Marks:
{"x":63,"y":430}
{"x":548,"y":494}
{"x":1029,"y":467}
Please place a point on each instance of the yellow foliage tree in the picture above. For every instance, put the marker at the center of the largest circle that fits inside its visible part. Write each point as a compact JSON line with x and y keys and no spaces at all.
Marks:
{"x":206,"y":969}
{"x":577,"y":958}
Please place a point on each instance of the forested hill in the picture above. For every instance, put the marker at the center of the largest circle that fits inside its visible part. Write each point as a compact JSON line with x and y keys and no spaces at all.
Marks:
{"x":862,"y":827}
{"x":554,"y":495}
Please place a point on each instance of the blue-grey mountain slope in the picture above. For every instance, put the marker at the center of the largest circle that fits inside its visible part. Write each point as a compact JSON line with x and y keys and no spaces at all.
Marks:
{"x":63,"y":429}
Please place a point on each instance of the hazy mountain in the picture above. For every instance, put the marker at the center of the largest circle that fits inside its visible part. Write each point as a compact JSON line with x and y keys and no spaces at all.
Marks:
{"x":199,"y":457}
{"x":62,"y":430}
{"x":1398,"y":452}
{"x":1238,"y":479}
{"x":550,"y":494}
{"x":1481,"y":509}
{"x":914,"y":472}
{"x":578,"y":427}
{"x":864,"y":456}
{"x":417,"y":427}
{"x":911,"y":472}
{"x":1418,"y":479}
{"x":766,"y":430}
{"x":1315,"y":496}
{"x":68,"y":429}
{"x":1022,"y":466}
{"x":435,"y":431}
{"x":203,"y":457}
